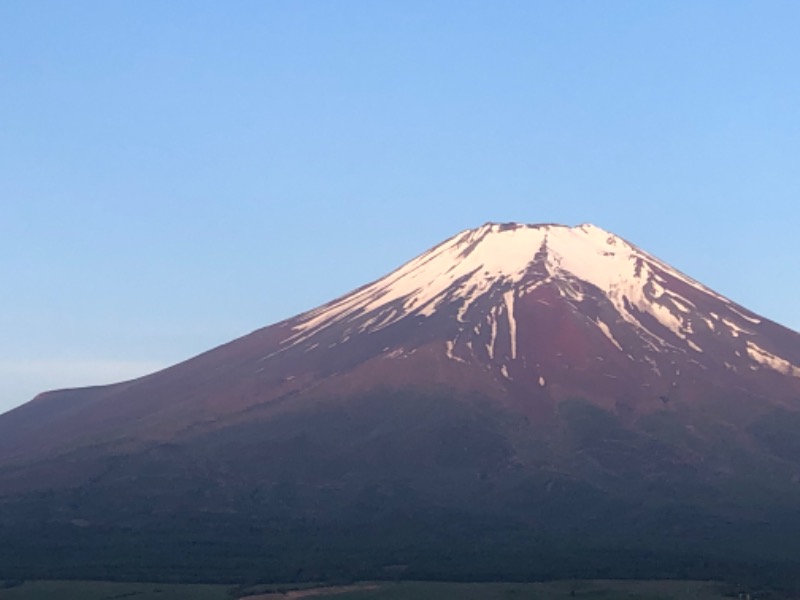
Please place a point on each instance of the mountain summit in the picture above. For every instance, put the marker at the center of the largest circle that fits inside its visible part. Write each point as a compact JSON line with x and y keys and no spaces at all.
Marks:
{"x":547,"y":303}
{"x":517,"y":391}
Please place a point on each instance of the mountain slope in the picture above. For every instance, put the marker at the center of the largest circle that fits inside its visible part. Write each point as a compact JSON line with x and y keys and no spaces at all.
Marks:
{"x":535,"y":390}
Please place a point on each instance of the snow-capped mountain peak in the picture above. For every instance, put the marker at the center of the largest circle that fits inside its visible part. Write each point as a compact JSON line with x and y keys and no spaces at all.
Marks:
{"x":471,"y":263}
{"x":475,"y":282}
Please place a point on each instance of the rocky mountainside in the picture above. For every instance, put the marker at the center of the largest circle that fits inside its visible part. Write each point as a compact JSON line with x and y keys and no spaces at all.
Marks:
{"x":517,"y":392}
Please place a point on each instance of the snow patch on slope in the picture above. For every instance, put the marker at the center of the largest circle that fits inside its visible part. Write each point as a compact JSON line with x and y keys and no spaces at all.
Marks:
{"x":492,"y":317}
{"x":735,"y":329}
{"x":607,"y":332}
{"x":772,"y":361}
{"x":753,"y":320}
{"x":508,"y":297}
{"x":450,"y":346}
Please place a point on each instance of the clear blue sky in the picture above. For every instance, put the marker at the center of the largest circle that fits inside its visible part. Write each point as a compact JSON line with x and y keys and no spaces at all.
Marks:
{"x":176,"y":174}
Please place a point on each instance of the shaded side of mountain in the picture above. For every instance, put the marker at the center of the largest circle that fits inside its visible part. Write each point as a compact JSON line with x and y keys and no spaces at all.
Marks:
{"x":448,"y":485}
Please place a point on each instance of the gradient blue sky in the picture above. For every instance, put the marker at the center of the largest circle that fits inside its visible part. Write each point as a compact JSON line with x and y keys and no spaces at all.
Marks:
{"x":176,"y":174}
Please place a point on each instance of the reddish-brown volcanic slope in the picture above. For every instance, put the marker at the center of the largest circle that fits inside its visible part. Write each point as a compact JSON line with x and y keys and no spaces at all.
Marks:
{"x":527,"y":315}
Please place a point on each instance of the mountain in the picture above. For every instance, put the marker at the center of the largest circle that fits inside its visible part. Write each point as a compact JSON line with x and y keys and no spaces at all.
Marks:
{"x":520,"y":401}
